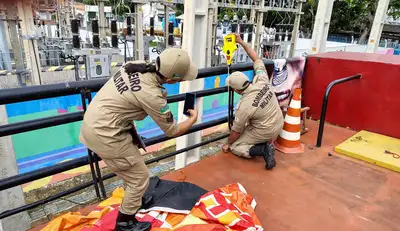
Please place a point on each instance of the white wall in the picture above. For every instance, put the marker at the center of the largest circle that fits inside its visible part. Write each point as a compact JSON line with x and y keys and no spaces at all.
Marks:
{"x":304,"y":45}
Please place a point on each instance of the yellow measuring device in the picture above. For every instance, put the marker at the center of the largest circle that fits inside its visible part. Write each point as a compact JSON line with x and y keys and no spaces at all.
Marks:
{"x":229,"y":47}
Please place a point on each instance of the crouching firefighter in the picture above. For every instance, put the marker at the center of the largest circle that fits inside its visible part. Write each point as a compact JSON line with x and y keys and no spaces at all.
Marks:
{"x":133,"y":93}
{"x":258,"y":117}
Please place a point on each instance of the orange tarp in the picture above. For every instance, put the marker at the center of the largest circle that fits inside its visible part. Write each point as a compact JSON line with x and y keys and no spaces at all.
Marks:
{"x":75,"y":221}
{"x":227,"y":208}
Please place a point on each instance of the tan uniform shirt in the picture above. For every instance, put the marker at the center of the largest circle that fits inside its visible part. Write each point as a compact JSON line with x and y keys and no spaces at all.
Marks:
{"x":258,"y":107}
{"x":125,"y":97}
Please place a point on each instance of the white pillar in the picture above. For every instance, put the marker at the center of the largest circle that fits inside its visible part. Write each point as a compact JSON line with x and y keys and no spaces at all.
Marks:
{"x":259,"y":30}
{"x":166,"y":25}
{"x":30,"y":46}
{"x":13,"y":197}
{"x":48,"y":25}
{"x":253,"y":12}
{"x":194,"y":41}
{"x":67,"y":14}
{"x":3,"y":42}
{"x":60,"y":18}
{"x":101,"y":20}
{"x":295,"y":32}
{"x":377,"y":26}
{"x":252,"y":20}
{"x":139,"y":32}
{"x":211,"y":27}
{"x":12,"y":16}
{"x":321,"y":26}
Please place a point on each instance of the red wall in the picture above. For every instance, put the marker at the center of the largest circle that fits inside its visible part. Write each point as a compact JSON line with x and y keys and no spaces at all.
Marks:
{"x":371,"y":103}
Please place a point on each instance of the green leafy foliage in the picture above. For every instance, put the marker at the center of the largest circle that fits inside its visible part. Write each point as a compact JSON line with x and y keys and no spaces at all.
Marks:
{"x":230,"y":12}
{"x":119,"y":7}
{"x":178,"y":9}
{"x":355,"y":16}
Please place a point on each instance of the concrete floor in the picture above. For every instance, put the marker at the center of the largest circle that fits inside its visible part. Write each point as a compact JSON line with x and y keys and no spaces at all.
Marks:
{"x":310,"y":191}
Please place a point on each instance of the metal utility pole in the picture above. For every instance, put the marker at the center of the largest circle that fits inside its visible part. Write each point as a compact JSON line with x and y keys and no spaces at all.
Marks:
{"x":252,"y":20}
{"x":195,"y":42}
{"x":166,"y":24}
{"x":260,"y":19}
{"x":211,"y":28}
{"x":29,"y":41}
{"x":377,"y":26}
{"x":139,"y":31}
{"x":321,"y":26}
{"x":252,"y":15}
{"x":4,"y":38}
{"x":102,"y":22}
{"x":295,"y":32}
{"x":67,"y":18}
{"x":62,"y":18}
{"x":12,"y":19}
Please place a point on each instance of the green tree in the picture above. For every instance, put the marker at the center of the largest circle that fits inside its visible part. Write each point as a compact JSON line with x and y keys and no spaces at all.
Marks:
{"x":178,"y":9}
{"x":354,"y":16}
{"x":119,"y":8}
{"x":230,"y":12}
{"x":307,"y":19}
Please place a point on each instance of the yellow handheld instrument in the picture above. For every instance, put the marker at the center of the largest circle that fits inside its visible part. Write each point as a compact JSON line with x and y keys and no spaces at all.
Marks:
{"x":229,"y":47}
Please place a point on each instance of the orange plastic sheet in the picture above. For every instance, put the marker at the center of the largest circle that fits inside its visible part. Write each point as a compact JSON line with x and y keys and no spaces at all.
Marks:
{"x":230,"y":206}
{"x":75,"y":221}
{"x":227,"y":208}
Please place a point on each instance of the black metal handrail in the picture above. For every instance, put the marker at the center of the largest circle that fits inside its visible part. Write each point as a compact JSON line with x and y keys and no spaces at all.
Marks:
{"x":24,"y":178}
{"x":16,"y":95}
{"x":30,"y":125}
{"x":325,"y":105}
{"x":11,"y":212}
{"x":105,"y":177}
{"x":15,"y":128}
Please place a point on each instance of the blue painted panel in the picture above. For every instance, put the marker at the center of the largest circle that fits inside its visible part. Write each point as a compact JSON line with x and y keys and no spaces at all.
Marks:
{"x":214,"y":107}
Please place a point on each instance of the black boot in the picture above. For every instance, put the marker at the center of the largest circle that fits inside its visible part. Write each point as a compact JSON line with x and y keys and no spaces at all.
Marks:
{"x":265,"y":150}
{"x":127,"y":222}
{"x":147,"y":200}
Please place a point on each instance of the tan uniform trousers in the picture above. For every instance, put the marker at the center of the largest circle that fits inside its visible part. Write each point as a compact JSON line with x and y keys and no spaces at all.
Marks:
{"x":135,"y":174}
{"x":249,"y":138}
{"x":128,"y":164}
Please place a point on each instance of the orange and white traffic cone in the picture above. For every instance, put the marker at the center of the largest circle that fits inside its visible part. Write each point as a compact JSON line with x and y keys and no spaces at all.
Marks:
{"x":289,"y":138}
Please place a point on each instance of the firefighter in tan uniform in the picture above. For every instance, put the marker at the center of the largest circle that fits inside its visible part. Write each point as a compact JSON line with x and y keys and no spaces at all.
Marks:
{"x":133,"y":93}
{"x":258,"y":117}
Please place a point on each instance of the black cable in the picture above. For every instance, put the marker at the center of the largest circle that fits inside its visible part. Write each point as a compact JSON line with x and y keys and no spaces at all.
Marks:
{"x":37,"y":64}
{"x":62,"y":55}
{"x":230,"y":103}
{"x":125,"y":50}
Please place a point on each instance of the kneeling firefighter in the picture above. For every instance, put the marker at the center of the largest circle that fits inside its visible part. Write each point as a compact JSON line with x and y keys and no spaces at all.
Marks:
{"x":258,"y":117}
{"x":133,"y":93}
